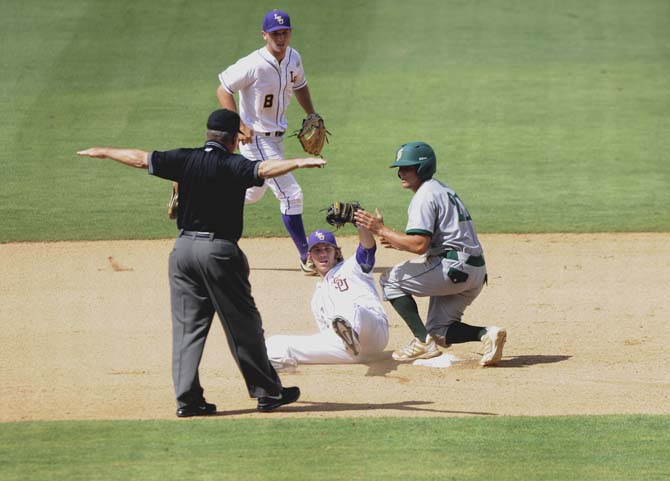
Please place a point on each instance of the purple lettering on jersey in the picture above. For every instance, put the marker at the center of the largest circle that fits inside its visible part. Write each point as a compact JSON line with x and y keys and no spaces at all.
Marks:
{"x":341,"y":284}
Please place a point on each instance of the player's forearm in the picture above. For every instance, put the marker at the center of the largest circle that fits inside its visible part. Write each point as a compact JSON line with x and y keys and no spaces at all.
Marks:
{"x":305,"y":99}
{"x":416,"y":244}
{"x":365,"y":237}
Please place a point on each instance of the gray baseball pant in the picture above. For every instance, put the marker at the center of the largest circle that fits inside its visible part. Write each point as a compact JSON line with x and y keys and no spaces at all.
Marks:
{"x":208,"y":276}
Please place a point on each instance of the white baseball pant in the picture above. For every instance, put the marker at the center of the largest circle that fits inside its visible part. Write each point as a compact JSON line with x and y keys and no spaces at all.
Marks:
{"x":326,"y":347}
{"x":285,"y":187}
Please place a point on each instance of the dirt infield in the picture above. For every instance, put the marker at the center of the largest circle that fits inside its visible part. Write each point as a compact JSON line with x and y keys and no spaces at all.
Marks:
{"x":86,"y":334}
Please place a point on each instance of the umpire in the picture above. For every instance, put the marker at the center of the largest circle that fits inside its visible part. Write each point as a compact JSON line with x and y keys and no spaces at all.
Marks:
{"x":208,"y":271}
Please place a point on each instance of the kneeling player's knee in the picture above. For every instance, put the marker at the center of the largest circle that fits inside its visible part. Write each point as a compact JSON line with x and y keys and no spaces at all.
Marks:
{"x":390,"y":290}
{"x":384,"y":280}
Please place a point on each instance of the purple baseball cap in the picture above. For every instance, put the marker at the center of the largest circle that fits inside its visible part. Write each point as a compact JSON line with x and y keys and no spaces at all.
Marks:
{"x":276,"y":20}
{"x":321,"y":237}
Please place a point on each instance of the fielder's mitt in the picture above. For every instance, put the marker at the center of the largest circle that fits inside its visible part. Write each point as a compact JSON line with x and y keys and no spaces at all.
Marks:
{"x":174,"y":202}
{"x":313,"y":134}
{"x":339,"y":213}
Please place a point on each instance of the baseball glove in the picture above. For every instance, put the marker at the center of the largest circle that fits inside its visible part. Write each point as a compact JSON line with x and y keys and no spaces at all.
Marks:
{"x":339,"y":213}
{"x":313,"y":134}
{"x":174,"y":202}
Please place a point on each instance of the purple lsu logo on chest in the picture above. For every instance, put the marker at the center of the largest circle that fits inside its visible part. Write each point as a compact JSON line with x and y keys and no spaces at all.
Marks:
{"x":341,"y":284}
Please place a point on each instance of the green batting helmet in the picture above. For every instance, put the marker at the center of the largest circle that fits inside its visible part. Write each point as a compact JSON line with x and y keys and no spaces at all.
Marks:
{"x":420,"y":154}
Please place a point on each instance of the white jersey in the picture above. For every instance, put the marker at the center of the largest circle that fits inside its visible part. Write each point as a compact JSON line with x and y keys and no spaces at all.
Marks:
{"x":344,"y":288}
{"x":348,"y":292}
{"x":437,"y":211}
{"x":265,"y":87}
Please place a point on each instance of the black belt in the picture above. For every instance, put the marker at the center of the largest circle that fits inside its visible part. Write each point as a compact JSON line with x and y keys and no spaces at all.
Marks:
{"x":475,"y":261}
{"x":271,"y":134}
{"x":204,"y":235}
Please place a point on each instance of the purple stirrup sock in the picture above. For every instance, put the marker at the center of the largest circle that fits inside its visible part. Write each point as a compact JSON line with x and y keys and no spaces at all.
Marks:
{"x":296,"y":230}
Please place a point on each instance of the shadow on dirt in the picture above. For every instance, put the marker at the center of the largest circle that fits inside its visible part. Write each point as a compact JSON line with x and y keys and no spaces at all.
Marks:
{"x":531,"y":360}
{"x":316,"y":406}
{"x":382,"y":365}
{"x":386,"y":365}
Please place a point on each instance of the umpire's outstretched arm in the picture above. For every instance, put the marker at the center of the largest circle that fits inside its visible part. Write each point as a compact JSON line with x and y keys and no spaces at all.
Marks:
{"x":130,"y":157}
{"x":274,"y":168}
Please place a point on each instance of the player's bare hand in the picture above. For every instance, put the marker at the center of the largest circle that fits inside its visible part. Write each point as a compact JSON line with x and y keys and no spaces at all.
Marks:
{"x":373,"y":223}
{"x":246,"y":137}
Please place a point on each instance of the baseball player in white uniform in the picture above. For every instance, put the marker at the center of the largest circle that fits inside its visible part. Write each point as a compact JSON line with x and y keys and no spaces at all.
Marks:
{"x":346,"y":306}
{"x":452,"y":271}
{"x":265,"y":80}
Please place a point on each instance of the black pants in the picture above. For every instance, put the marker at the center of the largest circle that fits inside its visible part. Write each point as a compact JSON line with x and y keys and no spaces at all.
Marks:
{"x":208,"y":276}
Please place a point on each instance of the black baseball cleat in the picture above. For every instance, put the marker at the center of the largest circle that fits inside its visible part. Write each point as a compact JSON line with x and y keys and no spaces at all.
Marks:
{"x":205,"y":409}
{"x":270,"y":403}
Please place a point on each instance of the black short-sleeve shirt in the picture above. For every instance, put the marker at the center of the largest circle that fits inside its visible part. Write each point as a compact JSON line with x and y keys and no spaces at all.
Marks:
{"x":212,"y":183}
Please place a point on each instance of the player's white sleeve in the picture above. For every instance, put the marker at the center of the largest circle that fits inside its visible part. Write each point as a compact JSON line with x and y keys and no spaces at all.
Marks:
{"x":237,"y":76}
{"x":300,"y":79}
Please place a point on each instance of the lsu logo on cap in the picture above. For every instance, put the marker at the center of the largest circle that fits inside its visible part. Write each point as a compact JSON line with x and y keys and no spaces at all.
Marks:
{"x":321,"y":237}
{"x":279,"y":18}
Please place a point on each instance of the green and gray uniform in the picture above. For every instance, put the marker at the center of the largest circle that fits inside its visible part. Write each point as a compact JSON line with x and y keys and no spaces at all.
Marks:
{"x":452,"y":273}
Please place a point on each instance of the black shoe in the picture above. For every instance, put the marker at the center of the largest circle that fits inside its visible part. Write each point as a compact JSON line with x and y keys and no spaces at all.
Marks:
{"x":200,"y":410}
{"x":288,"y":395}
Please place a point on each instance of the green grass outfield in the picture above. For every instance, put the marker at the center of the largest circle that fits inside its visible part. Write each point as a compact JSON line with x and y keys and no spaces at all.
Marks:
{"x":546,"y":116}
{"x":607,"y":448}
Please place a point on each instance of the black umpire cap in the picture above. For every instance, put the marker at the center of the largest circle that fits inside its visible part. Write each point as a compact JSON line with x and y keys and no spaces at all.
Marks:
{"x":224,"y":120}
